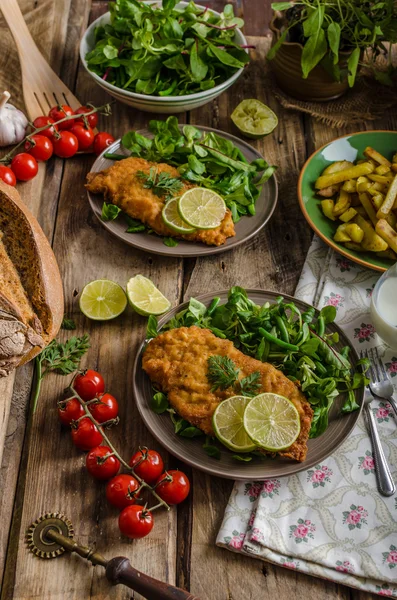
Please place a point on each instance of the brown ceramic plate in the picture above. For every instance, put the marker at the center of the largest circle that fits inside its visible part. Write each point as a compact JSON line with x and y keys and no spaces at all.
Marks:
{"x":246,"y":228}
{"x":190,"y":450}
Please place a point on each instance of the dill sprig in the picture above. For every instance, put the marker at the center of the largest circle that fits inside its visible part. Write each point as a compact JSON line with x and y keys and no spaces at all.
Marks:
{"x":161,"y":184}
{"x":223,"y":373}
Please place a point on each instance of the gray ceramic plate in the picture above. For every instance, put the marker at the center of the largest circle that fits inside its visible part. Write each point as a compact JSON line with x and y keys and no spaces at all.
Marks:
{"x":245,"y":229}
{"x":191,"y":451}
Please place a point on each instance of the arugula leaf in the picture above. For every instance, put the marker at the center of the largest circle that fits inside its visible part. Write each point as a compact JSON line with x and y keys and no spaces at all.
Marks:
{"x":110,"y":212}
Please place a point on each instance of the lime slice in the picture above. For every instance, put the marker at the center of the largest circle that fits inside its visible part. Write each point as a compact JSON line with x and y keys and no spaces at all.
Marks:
{"x":228,"y":424}
{"x":272,"y":421}
{"x":254,"y":119}
{"x":172,"y":218}
{"x":145,"y":298}
{"x":102,"y":300}
{"x":202,"y":208}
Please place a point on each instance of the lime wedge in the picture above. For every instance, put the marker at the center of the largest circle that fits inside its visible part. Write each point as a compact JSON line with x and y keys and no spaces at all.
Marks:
{"x":172,"y":218}
{"x":272,"y":422}
{"x":228,"y":424}
{"x":202,"y":208}
{"x":102,"y":300}
{"x":145,"y":298}
{"x":254,"y":119}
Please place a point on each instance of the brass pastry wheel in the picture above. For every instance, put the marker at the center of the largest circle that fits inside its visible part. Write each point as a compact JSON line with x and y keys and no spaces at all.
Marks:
{"x":52,"y":534}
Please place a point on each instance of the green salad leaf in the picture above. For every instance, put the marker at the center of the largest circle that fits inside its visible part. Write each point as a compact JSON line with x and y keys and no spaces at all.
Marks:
{"x":166,"y":51}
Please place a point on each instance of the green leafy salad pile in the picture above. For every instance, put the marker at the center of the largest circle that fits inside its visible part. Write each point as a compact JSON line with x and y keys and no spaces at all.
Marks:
{"x":203,"y":158}
{"x":293,"y":341}
{"x":166,"y":51}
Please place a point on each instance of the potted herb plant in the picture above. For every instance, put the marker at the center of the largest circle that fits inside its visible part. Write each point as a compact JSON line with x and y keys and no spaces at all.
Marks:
{"x":318,"y":45}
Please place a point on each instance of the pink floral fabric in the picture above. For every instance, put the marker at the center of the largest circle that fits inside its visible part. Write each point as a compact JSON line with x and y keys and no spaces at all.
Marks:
{"x":329,"y":521}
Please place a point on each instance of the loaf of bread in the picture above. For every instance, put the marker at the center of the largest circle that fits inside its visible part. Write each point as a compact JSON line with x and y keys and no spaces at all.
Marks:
{"x":31,"y":295}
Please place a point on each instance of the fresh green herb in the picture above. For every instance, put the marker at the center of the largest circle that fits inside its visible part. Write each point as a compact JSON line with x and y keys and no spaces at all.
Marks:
{"x":242,"y":457}
{"x":68,"y":324}
{"x":223,"y":373}
{"x":59,"y":358}
{"x":110,"y":212}
{"x":134,"y":226}
{"x":161,"y":184}
{"x":166,"y":51}
{"x":151,"y":330}
{"x":170,"y":242}
{"x":210,"y":449}
{"x":159,"y":403}
{"x":330,"y":29}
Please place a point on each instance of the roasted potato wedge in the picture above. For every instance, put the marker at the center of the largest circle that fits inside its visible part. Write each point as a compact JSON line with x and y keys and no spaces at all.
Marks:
{"x":371,"y":240}
{"x":355,"y":233}
{"x":328,"y":208}
{"x":329,"y":191}
{"x":351,"y":173}
{"x":341,"y":234}
{"x":387,"y":233}
{"x":342,"y":204}
{"x":389,"y":200}
{"x":369,"y":209}
{"x":376,"y":156}
{"x":348,"y":215}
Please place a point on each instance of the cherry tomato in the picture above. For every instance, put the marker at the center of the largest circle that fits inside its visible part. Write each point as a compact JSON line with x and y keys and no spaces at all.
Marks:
{"x":66,"y":145}
{"x":100,"y":465}
{"x":105,"y":409}
{"x":71,"y":412}
{"x":40,"y":147}
{"x":101,"y":141}
{"x":174,"y":491}
{"x":24,"y":166}
{"x":150,"y":468}
{"x":85,"y":135}
{"x":49,"y":132}
{"x":92,"y":119}
{"x":121,"y":491}
{"x":60,"y":112}
{"x":7,"y":175}
{"x":135,"y":522}
{"x":88,"y":384}
{"x":86,"y":435}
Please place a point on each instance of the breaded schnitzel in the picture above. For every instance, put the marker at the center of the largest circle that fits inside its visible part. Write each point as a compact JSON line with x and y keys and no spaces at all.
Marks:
{"x":122,"y":185}
{"x":176,"y":361}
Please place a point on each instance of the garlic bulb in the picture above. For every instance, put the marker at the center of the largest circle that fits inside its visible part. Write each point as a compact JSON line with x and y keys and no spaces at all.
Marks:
{"x":13,"y":122}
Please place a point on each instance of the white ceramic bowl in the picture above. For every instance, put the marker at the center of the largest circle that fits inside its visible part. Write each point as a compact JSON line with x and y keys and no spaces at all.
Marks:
{"x":155,"y":104}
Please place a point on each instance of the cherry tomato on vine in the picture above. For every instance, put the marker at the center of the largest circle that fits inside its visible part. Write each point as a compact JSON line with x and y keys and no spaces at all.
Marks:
{"x":85,"y":135}
{"x":66,"y":145}
{"x":39,"y":146}
{"x":24,"y":166}
{"x":92,"y":119}
{"x":7,"y":175}
{"x":88,"y":384}
{"x":86,"y":435}
{"x":100,"y":465}
{"x":105,"y":409}
{"x":150,"y":467}
{"x":135,"y":522}
{"x":49,"y":132}
{"x":60,"y":112}
{"x":71,"y":411}
{"x":175,"y":490}
{"x":101,"y":141}
{"x":121,"y":491}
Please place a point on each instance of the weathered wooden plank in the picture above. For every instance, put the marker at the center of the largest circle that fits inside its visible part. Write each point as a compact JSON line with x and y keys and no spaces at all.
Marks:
{"x":56,"y":478}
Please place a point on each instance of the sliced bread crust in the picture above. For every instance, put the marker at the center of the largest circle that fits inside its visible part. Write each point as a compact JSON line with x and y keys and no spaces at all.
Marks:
{"x":29,"y":273}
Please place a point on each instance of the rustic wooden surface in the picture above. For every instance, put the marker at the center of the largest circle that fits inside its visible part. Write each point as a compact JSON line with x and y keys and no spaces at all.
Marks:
{"x":41,"y":470}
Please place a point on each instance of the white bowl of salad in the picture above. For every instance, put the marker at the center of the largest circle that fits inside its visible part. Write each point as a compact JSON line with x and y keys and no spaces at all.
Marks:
{"x":164,"y":57}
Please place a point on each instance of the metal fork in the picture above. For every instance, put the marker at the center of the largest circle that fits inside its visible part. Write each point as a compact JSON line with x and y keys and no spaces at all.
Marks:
{"x":381,"y":385}
{"x":384,"y":479}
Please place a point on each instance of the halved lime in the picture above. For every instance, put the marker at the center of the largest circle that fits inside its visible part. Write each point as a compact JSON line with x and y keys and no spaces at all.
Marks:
{"x":102,"y":300}
{"x":227,"y":422}
{"x":254,"y":119}
{"x":272,"y":421}
{"x":202,"y":208}
{"x":173,"y":219}
{"x":145,"y":298}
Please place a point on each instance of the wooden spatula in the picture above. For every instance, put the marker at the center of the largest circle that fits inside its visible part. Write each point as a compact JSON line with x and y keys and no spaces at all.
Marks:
{"x":42,"y":88}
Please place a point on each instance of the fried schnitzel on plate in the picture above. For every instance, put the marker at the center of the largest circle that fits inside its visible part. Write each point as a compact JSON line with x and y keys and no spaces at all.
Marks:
{"x":118,"y":182}
{"x":176,"y":363}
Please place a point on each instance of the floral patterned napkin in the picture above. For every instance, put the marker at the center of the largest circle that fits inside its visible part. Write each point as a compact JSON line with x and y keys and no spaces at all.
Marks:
{"x":330,"y":520}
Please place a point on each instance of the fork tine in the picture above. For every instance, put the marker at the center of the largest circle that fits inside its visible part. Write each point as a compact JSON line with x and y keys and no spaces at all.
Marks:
{"x":375,"y":362}
{"x":372,"y":372}
{"x":382,"y":366}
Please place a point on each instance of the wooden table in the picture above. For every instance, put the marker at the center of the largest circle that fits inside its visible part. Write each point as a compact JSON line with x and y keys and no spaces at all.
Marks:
{"x":41,"y":470}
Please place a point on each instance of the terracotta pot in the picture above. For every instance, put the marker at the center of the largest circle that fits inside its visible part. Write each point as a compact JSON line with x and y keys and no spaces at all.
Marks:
{"x":319,"y":86}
